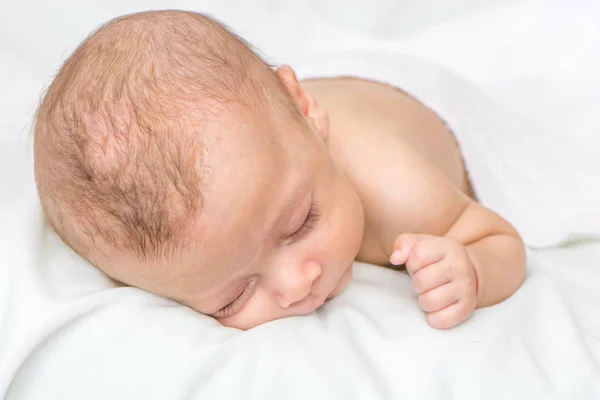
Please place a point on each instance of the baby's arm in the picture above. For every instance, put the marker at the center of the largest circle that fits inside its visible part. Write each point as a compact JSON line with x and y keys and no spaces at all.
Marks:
{"x":479,"y":262}
{"x":460,"y":254}
{"x":496,"y":250}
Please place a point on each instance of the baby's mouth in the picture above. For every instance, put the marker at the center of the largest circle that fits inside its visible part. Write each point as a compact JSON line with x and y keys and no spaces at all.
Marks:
{"x":319,"y":301}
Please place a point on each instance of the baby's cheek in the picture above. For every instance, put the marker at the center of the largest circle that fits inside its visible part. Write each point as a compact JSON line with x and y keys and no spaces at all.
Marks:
{"x":350,"y":225}
{"x":343,"y":283}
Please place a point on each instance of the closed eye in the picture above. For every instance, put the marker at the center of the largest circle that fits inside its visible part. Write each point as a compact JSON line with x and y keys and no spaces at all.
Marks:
{"x":238,"y":303}
{"x":312,"y":217}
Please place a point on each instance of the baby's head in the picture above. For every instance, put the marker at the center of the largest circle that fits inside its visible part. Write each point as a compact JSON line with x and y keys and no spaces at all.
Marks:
{"x":175,"y":160}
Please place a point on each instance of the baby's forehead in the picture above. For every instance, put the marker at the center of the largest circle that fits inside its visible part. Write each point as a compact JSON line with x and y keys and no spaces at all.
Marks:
{"x":254,"y":174}
{"x":248,"y":168}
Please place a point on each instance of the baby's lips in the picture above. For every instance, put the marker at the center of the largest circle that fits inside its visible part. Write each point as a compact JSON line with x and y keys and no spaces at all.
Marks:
{"x":319,"y":301}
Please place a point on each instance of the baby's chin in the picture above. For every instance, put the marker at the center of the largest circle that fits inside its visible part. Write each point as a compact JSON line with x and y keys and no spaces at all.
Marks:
{"x":342,"y":283}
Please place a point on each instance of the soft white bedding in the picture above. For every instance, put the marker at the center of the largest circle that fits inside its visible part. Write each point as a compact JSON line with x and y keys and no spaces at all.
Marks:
{"x":67,"y":333}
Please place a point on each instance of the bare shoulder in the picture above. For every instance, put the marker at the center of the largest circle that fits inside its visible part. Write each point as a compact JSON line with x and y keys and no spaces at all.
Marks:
{"x":402,"y":159}
{"x":363,"y":111}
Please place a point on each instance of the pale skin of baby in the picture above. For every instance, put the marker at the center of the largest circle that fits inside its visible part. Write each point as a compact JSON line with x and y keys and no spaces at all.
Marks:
{"x":391,"y":188}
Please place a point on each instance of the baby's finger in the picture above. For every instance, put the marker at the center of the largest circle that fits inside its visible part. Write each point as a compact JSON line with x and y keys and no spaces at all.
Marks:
{"x":438,"y":298}
{"x":404,"y":245}
{"x":450,"y":316}
{"x":425,"y":253}
{"x":432,"y":276}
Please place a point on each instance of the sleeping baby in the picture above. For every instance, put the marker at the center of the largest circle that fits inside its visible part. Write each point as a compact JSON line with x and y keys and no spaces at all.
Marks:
{"x":175,"y":160}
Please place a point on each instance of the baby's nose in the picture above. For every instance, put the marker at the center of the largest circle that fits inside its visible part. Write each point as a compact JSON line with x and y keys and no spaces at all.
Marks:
{"x":297,"y":285}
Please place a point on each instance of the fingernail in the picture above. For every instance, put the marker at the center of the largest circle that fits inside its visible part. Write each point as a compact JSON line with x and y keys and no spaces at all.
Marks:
{"x":395,"y":258}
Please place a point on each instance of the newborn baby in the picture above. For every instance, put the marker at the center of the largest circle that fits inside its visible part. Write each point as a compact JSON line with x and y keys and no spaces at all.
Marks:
{"x":175,"y":160}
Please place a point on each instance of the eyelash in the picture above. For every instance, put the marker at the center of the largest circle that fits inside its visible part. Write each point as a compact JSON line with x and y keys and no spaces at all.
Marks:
{"x":237,"y":303}
{"x":309,"y":223}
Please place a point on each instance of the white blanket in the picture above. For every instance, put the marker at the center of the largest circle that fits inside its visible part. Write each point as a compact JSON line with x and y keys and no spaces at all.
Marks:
{"x":67,"y":333}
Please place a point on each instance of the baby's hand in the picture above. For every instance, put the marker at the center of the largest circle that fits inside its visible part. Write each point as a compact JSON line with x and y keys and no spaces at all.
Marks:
{"x":442,"y":273}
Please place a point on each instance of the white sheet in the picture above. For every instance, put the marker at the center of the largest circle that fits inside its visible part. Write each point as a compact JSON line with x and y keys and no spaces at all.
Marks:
{"x":67,"y":333}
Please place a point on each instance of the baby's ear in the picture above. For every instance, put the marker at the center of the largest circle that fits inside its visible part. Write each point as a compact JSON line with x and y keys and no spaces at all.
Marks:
{"x":287,"y":78}
{"x":315,"y":115}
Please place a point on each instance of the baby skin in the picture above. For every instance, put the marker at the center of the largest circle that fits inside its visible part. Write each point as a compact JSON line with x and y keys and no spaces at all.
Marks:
{"x":188,"y":167}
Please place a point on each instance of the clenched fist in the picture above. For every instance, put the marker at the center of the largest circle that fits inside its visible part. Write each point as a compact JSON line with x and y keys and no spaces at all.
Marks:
{"x":442,"y":273}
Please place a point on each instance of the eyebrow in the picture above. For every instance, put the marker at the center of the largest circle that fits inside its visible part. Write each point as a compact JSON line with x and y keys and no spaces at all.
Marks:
{"x":295,"y":200}
{"x":291,"y":204}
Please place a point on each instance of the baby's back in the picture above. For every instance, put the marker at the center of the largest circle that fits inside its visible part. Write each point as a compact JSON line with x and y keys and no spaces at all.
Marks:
{"x":372,"y":109}
{"x":367,"y":119}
